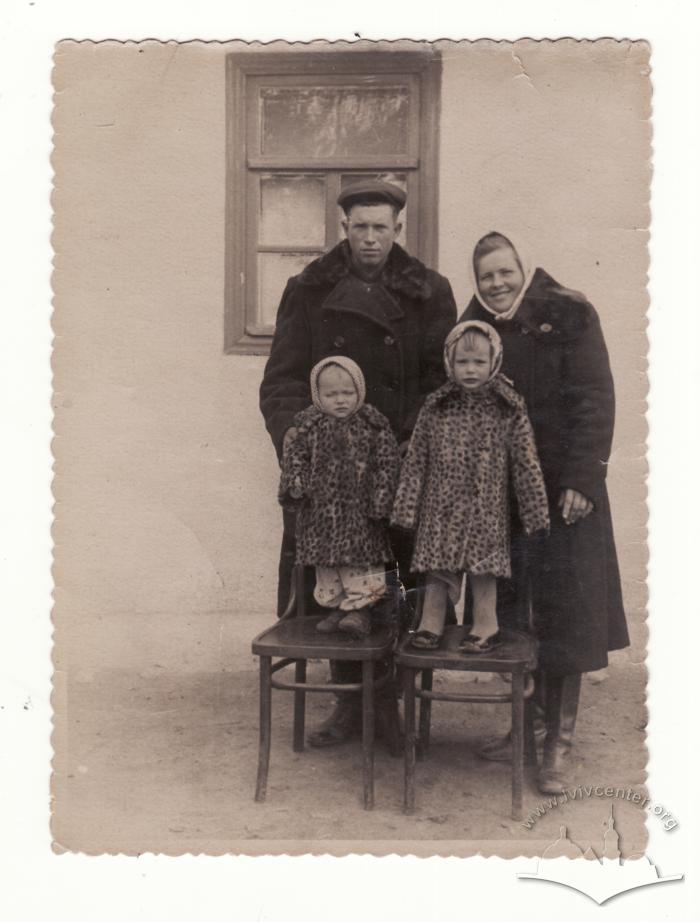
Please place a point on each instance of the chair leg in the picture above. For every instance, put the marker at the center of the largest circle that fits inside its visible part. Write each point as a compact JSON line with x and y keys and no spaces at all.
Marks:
{"x":426,"y":684}
{"x":265,"y":726}
{"x":389,"y":724}
{"x":368,"y":732}
{"x":517,"y":711}
{"x":299,"y":706}
{"x":409,"y":716}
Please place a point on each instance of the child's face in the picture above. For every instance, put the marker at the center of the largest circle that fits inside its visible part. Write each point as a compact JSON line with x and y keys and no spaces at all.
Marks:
{"x":472,"y":363}
{"x":500,"y":279}
{"x":336,"y":392}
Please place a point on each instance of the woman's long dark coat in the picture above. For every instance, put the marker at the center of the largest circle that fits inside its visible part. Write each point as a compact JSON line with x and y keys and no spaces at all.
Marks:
{"x":555,"y":354}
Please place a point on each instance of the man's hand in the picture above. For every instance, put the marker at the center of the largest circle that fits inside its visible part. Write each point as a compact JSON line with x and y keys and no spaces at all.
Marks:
{"x":289,"y":437}
{"x":574,"y":506}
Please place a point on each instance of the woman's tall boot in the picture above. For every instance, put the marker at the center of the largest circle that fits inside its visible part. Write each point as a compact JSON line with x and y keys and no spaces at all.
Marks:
{"x":561,"y":707}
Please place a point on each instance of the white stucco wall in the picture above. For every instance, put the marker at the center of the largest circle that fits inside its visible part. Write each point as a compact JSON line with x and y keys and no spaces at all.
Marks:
{"x":166,"y":477}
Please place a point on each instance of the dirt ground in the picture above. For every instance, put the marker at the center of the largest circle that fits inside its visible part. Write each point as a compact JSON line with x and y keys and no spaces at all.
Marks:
{"x":161,"y":755}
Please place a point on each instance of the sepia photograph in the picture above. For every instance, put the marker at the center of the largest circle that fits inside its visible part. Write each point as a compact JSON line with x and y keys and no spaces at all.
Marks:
{"x":350,"y":383}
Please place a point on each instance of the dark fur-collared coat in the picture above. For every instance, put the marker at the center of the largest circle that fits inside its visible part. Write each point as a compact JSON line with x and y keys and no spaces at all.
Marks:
{"x":393,"y":328}
{"x":466,"y":450}
{"x":554,"y":352}
{"x":346,"y":471}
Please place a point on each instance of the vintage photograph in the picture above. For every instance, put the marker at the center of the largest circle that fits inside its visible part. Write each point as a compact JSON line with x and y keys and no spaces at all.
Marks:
{"x":350,"y":456}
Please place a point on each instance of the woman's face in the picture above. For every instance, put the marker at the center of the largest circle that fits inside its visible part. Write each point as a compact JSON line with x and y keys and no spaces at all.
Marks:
{"x":500,"y":278}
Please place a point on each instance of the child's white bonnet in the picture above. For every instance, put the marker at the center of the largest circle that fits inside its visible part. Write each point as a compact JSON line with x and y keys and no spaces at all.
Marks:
{"x":352,"y":368}
{"x":456,"y":333}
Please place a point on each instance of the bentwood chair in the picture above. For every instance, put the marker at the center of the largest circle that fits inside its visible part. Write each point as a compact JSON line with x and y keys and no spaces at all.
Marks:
{"x":515,"y":657}
{"x":294,"y":640}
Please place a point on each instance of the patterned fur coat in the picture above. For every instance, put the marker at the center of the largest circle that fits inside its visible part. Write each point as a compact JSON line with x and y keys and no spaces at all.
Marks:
{"x":347,"y":470}
{"x":465,"y":450}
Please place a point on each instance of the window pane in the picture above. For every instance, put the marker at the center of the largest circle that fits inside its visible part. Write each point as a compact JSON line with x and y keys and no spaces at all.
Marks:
{"x":273,"y":271}
{"x":398,"y":179}
{"x":292,"y":210}
{"x":329,"y":121}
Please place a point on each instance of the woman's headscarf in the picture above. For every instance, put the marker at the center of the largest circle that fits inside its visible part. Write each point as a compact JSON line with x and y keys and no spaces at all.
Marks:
{"x":352,"y":368}
{"x":456,"y":333}
{"x":525,"y":264}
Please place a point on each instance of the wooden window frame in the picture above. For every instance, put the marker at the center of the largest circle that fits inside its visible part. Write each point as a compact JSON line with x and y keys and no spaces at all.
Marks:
{"x":424,"y":67}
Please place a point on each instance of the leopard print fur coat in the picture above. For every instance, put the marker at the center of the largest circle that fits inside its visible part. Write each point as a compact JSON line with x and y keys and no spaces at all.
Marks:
{"x":467,"y":450}
{"x":347,"y":472}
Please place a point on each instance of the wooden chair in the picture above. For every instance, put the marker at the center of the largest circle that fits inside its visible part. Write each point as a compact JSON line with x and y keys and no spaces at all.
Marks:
{"x":516,"y":656}
{"x":295,"y":640}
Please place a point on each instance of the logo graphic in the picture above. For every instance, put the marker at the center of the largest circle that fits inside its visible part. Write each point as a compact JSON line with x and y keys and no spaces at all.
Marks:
{"x":599,"y":877}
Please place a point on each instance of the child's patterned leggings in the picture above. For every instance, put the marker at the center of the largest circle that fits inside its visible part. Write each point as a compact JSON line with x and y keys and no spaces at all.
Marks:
{"x":348,"y":588}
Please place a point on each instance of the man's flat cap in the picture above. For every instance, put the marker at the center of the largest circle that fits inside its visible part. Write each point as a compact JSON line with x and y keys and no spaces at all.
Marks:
{"x":372,"y":190}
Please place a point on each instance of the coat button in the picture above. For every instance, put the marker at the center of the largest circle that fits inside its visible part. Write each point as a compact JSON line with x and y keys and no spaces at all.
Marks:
{"x":388,"y":340}
{"x":339,"y":341}
{"x":546,"y":327}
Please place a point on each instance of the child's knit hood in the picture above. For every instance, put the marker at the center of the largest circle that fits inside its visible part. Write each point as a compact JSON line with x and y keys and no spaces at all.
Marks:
{"x":458,"y":332}
{"x":352,"y":368}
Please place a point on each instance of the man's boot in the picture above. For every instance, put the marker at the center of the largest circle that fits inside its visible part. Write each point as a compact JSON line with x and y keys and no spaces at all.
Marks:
{"x":561,"y":708}
{"x":501,"y":749}
{"x":345,"y":721}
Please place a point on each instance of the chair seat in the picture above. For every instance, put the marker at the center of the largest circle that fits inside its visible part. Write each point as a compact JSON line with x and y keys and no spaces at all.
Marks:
{"x":517,"y":653}
{"x":298,"y":638}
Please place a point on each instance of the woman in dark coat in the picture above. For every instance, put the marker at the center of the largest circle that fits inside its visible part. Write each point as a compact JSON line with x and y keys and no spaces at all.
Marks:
{"x":555,"y":354}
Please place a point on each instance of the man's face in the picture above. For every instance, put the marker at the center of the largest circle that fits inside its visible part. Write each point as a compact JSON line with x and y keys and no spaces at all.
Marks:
{"x":371,"y":231}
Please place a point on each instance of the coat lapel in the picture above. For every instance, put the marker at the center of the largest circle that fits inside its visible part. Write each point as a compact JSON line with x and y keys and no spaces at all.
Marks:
{"x":371,"y":301}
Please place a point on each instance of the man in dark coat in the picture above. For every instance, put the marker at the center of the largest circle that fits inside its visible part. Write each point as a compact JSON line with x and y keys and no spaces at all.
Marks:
{"x":367,"y":299}
{"x":555,"y":354}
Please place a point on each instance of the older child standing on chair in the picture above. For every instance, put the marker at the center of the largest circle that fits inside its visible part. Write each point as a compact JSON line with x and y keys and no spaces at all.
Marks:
{"x":472,"y":444}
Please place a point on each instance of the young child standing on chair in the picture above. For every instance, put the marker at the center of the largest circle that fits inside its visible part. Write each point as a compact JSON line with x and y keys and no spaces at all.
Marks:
{"x":472,"y":444}
{"x":340,"y":471}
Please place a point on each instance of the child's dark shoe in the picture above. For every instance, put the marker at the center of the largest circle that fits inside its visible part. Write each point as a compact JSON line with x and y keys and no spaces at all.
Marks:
{"x":386,"y":610}
{"x":474,"y":645}
{"x":425,"y":640}
{"x":356,"y":623}
{"x":330,"y":624}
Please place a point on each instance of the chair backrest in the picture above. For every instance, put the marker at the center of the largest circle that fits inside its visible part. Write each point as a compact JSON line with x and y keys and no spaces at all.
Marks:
{"x":296,"y":604}
{"x":299,"y":584}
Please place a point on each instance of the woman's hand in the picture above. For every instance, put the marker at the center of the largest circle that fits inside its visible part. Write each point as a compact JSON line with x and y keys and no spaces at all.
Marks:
{"x":574,"y":506}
